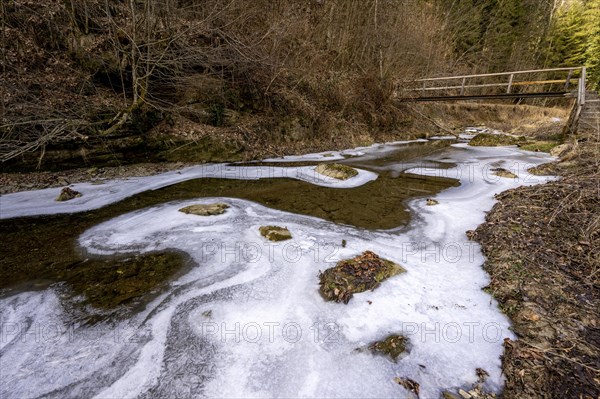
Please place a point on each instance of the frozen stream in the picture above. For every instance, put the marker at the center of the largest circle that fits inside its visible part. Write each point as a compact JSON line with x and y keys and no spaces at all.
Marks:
{"x":248,"y":320}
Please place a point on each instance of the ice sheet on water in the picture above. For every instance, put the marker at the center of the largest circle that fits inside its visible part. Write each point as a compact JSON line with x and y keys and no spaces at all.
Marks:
{"x":327,"y":156}
{"x":42,"y":202}
{"x":248,"y":320}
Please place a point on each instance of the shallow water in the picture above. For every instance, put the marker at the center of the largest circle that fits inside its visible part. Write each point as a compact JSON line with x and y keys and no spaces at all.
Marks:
{"x":45,"y":247}
{"x":244,"y":318}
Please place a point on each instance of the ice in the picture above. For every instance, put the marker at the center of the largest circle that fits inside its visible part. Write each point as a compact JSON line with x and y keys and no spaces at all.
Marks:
{"x":326,"y":156}
{"x":248,"y":321}
{"x":42,"y":202}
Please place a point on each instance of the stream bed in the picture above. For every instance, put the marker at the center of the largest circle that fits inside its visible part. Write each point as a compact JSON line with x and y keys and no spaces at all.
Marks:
{"x":128,"y":297}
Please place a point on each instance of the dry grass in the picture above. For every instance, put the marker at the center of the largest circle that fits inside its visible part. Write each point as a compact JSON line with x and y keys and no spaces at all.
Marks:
{"x":522,"y":119}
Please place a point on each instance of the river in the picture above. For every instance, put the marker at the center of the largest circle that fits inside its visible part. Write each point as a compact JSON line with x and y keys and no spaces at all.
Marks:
{"x":117,"y":294}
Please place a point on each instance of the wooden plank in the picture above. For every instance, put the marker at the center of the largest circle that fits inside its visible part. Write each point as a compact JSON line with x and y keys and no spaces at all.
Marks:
{"x":487,"y":97}
{"x":540,"y":82}
{"x":499,"y":74}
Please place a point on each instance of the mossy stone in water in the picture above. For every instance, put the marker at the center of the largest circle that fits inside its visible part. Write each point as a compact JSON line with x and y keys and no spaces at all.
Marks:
{"x":431,"y":202}
{"x":275,"y":233}
{"x":495,"y":140}
{"x":336,"y":171}
{"x":359,"y":274}
{"x":393,"y":346}
{"x":67,"y":194}
{"x":504,"y":173}
{"x":205,"y":209}
{"x":540,"y":146}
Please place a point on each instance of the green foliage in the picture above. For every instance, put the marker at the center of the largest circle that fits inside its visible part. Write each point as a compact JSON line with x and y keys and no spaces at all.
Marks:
{"x":575,"y":38}
{"x":496,"y":35}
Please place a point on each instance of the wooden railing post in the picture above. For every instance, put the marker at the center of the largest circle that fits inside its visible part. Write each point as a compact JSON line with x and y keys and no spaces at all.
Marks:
{"x":462,"y":87}
{"x":568,"y":81}
{"x":510,"y":82}
{"x":583,"y":81}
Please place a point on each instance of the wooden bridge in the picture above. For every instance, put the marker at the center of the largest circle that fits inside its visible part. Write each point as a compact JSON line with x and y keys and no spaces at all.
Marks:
{"x":537,"y":83}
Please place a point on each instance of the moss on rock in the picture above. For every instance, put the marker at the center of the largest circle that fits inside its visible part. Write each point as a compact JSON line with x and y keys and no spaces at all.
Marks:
{"x":561,"y":150}
{"x":495,"y":140}
{"x":359,"y":274}
{"x":67,"y":194}
{"x":336,"y":171}
{"x":392,"y":346}
{"x":275,"y":233}
{"x":205,"y":209}
{"x":540,"y":146}
{"x":504,"y":173}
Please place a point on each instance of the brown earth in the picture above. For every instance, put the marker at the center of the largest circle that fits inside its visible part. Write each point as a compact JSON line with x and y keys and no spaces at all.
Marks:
{"x":543,"y":255}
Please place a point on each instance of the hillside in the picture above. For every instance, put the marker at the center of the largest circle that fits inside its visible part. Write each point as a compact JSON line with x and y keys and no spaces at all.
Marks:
{"x":106,"y":83}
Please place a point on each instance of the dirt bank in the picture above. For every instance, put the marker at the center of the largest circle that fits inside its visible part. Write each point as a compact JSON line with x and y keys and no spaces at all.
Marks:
{"x":543,"y":250}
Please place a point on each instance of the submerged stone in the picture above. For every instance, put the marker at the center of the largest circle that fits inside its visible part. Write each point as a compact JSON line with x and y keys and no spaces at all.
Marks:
{"x":504,"y":173}
{"x":336,"y":171}
{"x":108,"y":283}
{"x":205,"y":209}
{"x":393,"y":346}
{"x":275,"y":233}
{"x":67,"y":194}
{"x":494,"y":140}
{"x":361,"y":273}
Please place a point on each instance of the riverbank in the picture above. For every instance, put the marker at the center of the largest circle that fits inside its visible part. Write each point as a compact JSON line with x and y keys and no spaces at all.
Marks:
{"x":184,"y":143}
{"x":543,"y":255}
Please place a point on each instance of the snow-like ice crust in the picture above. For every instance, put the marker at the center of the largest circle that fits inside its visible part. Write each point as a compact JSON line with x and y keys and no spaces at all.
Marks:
{"x":201,"y":337}
{"x":94,"y":196}
{"x":326,"y":156}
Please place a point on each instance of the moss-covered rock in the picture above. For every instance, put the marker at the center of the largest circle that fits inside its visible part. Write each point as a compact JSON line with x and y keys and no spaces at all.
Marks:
{"x":205,"y":209}
{"x":504,"y":173}
{"x":393,"y":346}
{"x":336,"y":171}
{"x":67,"y":194}
{"x":561,"y":150}
{"x":539,"y":146}
{"x":275,"y":233}
{"x":495,"y":140}
{"x":359,"y":274}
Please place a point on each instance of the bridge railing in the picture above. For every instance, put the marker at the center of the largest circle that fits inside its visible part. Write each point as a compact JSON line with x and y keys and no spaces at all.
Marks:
{"x":552,"y":82}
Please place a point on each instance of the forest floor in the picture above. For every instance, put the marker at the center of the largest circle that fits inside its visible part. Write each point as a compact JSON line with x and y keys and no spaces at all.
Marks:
{"x":543,"y":255}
